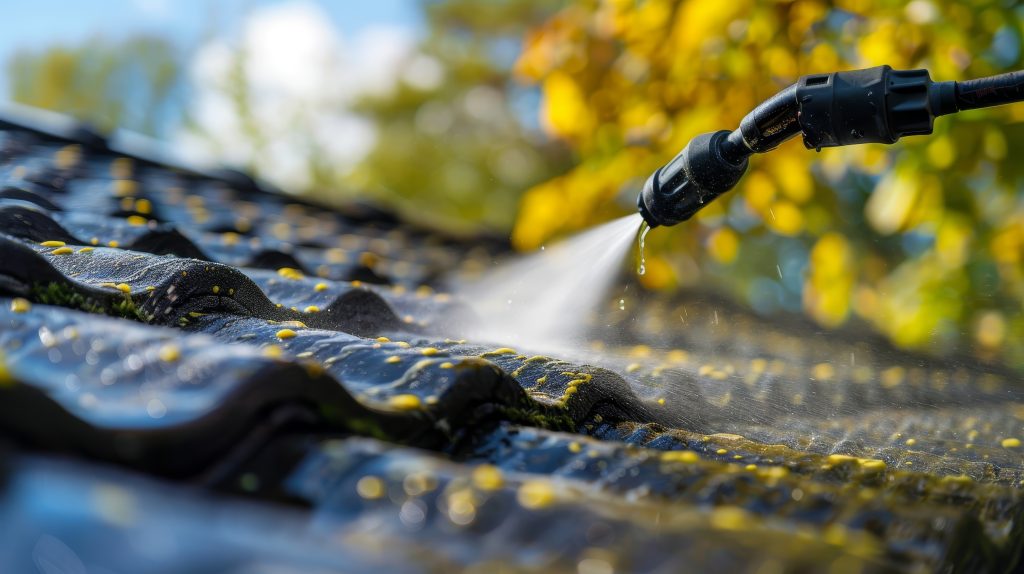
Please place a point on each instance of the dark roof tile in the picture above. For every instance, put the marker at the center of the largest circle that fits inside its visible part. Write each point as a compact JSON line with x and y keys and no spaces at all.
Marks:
{"x":250,"y":336}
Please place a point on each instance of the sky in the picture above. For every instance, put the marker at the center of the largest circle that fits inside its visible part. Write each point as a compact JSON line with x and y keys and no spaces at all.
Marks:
{"x":303,"y":73}
{"x":40,"y":23}
{"x":306,"y":61}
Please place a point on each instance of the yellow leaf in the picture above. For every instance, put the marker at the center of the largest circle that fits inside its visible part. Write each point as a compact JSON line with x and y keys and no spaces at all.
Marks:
{"x":759,"y":191}
{"x":829,"y":284}
{"x":541,"y":214}
{"x":785,"y":218}
{"x":724,"y":245}
{"x":941,"y":152}
{"x":565,"y":109}
{"x":793,"y":174}
{"x":888,"y":208}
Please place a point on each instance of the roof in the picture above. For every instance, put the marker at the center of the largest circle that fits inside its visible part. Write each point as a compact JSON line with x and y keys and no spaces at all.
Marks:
{"x":200,"y":374}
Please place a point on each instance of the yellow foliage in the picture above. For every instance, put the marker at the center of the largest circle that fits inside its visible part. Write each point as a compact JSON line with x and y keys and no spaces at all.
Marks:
{"x":759,"y":190}
{"x":628,"y":83}
{"x":888,"y":210}
{"x":952,"y":242}
{"x":785,"y":218}
{"x":941,"y":152}
{"x":658,"y":273}
{"x":791,"y":173}
{"x":829,"y":285}
{"x":1007,"y":246}
{"x":990,"y":330}
{"x":566,"y":112}
{"x":540,"y":214}
{"x":698,"y":22}
{"x":724,"y":245}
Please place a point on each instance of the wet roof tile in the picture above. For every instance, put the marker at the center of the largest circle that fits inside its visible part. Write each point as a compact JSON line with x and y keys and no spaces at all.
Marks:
{"x":204,"y":329}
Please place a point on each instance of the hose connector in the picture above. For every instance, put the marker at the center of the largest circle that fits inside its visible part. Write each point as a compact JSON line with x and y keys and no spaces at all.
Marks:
{"x":874,"y":105}
{"x":696,"y":176}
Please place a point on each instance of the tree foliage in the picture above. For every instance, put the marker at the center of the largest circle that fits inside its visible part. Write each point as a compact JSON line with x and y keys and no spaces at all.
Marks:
{"x":133,"y":84}
{"x":460,"y":151}
{"x":924,"y":239}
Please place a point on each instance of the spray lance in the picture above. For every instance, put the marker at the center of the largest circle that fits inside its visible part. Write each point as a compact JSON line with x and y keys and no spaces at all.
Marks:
{"x":874,"y":105}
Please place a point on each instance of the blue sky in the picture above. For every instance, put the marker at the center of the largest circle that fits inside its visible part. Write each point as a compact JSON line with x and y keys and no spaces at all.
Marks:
{"x":36,"y":24}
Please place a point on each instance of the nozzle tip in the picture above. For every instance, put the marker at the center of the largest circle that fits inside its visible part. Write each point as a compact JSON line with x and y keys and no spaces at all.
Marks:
{"x":690,"y":181}
{"x":642,"y":208}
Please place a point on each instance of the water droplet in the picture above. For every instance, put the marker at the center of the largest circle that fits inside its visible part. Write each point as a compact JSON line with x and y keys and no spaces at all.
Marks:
{"x":156,"y":408}
{"x":644,"y":229}
{"x":622,"y":304}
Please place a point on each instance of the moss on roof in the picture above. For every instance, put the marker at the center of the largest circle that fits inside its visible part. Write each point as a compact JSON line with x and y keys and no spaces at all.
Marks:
{"x":196,"y":331}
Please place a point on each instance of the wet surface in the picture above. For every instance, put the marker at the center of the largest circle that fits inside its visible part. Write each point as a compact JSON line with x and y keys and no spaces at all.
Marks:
{"x":297,"y":381}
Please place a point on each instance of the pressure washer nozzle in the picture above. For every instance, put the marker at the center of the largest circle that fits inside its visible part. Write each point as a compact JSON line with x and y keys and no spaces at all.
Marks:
{"x":694,"y":178}
{"x":874,"y":105}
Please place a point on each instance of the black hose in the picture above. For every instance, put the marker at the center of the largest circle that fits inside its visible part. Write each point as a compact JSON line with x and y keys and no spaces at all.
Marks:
{"x":991,"y":91}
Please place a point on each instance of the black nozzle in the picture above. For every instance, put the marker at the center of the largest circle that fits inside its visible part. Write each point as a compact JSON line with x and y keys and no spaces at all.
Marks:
{"x":874,"y":105}
{"x":694,"y":178}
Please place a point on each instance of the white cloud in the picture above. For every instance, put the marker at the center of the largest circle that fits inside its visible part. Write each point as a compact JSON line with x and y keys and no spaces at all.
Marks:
{"x":153,"y":8}
{"x":301,"y":79}
{"x":288,"y":49}
{"x":377,"y":56}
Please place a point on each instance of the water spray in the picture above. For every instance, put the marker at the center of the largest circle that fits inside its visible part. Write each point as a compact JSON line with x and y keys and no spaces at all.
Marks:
{"x":874,"y":105}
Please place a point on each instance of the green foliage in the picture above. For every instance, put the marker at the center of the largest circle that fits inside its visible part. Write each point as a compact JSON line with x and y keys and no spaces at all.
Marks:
{"x":133,"y":84}
{"x":459,"y":152}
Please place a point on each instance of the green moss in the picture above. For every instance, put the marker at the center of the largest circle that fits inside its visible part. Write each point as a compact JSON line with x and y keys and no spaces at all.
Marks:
{"x":367,"y":427}
{"x":64,"y":295}
{"x":61,"y":294}
{"x":550,"y":419}
{"x":363,"y":426}
{"x":126,"y":308}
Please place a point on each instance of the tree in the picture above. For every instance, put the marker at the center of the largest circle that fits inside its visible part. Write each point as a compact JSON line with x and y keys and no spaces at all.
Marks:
{"x":924,"y":240}
{"x":429,"y":126}
{"x":134,"y":84}
{"x":462,"y":148}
